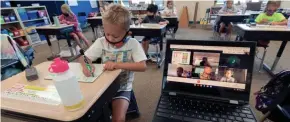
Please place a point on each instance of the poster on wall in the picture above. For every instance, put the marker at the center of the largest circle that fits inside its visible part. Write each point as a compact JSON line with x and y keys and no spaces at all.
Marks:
{"x":93,"y":3}
{"x":72,"y":2}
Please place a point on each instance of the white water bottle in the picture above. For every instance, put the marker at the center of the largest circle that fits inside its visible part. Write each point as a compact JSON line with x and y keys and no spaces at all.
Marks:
{"x":288,"y":23}
{"x":66,"y":84}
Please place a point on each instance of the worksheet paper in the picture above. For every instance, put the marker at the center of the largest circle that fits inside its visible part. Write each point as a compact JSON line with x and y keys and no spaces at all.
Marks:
{"x":76,"y":68}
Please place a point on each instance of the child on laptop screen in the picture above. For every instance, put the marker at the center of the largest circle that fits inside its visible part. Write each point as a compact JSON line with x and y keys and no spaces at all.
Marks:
{"x":117,"y":52}
{"x":151,"y":18}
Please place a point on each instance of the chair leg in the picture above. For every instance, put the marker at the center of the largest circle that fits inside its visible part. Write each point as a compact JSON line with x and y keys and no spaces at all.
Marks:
{"x":263,"y":58}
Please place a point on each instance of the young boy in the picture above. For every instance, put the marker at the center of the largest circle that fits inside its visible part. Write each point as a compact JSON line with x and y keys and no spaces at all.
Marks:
{"x":117,"y":52}
{"x":228,"y":76}
{"x":270,"y":16}
{"x":229,"y":8}
{"x":151,"y":18}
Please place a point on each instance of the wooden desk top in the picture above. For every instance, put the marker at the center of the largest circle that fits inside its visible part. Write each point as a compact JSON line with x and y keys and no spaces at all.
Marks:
{"x":148,"y":26}
{"x":90,"y":91}
{"x":264,"y":28}
{"x":53,"y":27}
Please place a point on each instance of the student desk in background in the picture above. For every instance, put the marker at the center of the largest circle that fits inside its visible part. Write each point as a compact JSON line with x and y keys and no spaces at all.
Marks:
{"x":150,"y":30}
{"x":95,"y":22}
{"x":234,"y":18}
{"x":267,"y":32}
{"x":53,"y":30}
{"x":96,"y":96}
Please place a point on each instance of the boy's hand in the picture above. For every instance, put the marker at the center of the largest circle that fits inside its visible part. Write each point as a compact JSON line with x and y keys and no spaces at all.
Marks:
{"x":274,"y":23}
{"x":87,"y":72}
{"x":109,"y":65}
{"x":264,"y":21}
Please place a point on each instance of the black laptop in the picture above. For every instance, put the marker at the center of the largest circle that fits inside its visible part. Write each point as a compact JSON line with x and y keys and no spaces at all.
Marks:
{"x":205,"y":81}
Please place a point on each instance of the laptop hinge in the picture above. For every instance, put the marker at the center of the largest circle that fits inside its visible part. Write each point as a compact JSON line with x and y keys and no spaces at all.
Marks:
{"x":172,"y":93}
{"x":234,"y":102}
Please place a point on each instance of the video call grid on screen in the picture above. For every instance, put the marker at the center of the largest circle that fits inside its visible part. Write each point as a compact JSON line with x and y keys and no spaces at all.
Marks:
{"x":209,"y":65}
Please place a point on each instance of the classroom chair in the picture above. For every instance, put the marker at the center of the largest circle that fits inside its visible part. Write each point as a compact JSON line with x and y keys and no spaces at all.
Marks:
{"x":133,"y":110}
{"x":216,"y":35}
{"x":83,"y":20}
{"x":264,"y":44}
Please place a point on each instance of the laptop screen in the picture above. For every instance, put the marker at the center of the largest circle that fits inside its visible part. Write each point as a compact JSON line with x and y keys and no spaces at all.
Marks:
{"x":214,"y":66}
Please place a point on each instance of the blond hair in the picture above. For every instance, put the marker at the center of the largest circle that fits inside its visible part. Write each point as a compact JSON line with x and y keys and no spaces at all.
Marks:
{"x":66,"y":8}
{"x":118,"y":15}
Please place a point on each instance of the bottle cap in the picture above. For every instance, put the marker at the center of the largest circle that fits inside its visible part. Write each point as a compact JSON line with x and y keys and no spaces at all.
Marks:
{"x":58,"y":66}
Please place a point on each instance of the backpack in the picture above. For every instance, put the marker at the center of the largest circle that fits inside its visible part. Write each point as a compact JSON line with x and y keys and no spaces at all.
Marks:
{"x":276,"y":92}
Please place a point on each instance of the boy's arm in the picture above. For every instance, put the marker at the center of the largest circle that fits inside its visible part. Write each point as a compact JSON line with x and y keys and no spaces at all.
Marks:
{"x":258,"y":19}
{"x":163,"y":21}
{"x":282,"y":20}
{"x":135,"y":66}
{"x":222,"y":10}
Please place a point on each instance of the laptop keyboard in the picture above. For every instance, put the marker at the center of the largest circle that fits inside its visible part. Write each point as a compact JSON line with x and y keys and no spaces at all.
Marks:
{"x":193,"y":110}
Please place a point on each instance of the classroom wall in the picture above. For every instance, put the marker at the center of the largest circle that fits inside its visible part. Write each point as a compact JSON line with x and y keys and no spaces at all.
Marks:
{"x":83,"y":6}
{"x":285,"y":4}
{"x":203,"y":5}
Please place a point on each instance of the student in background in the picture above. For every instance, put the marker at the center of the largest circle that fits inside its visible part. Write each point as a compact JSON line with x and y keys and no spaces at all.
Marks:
{"x":151,"y":18}
{"x":229,"y":8}
{"x":117,"y":52}
{"x":68,"y":17}
{"x":170,"y":10}
{"x":270,"y":16}
{"x":179,"y":71}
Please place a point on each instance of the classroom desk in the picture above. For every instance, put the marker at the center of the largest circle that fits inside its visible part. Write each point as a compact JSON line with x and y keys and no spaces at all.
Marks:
{"x":95,"y":22}
{"x":151,"y":30}
{"x":235,"y":18}
{"x":53,"y":30}
{"x":96,"y":96}
{"x":273,"y":33}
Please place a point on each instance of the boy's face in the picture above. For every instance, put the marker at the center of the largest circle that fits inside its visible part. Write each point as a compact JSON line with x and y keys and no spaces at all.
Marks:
{"x":113,"y":32}
{"x":150,"y":13}
{"x":228,"y":74}
{"x":271,"y":9}
{"x":229,"y":4}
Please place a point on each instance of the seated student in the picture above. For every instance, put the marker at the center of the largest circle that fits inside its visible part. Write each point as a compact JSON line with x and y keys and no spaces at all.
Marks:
{"x":117,"y":52}
{"x":270,"y":16}
{"x":170,"y":10}
{"x":68,"y":17}
{"x":151,"y":18}
{"x":204,"y":62}
{"x":228,"y":76}
{"x":228,"y":8}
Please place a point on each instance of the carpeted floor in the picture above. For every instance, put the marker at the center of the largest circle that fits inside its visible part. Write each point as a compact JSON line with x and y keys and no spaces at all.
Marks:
{"x":149,"y":82}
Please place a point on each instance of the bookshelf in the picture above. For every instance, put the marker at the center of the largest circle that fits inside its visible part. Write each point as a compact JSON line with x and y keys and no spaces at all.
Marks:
{"x":26,"y":21}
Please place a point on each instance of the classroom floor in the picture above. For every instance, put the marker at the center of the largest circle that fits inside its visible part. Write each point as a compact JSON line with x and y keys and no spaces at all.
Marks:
{"x":144,"y":82}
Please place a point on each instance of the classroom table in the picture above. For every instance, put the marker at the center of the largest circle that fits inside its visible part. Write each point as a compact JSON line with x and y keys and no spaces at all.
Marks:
{"x":96,"y":96}
{"x":95,"y":22}
{"x":53,"y":30}
{"x":266,"y":32}
{"x":234,"y":18}
{"x":151,"y":30}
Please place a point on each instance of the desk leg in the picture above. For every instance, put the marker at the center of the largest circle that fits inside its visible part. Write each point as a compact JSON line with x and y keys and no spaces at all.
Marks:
{"x":279,"y":54}
{"x":160,"y":62}
{"x":50,"y":47}
{"x":93,"y":29}
{"x":69,"y":43}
